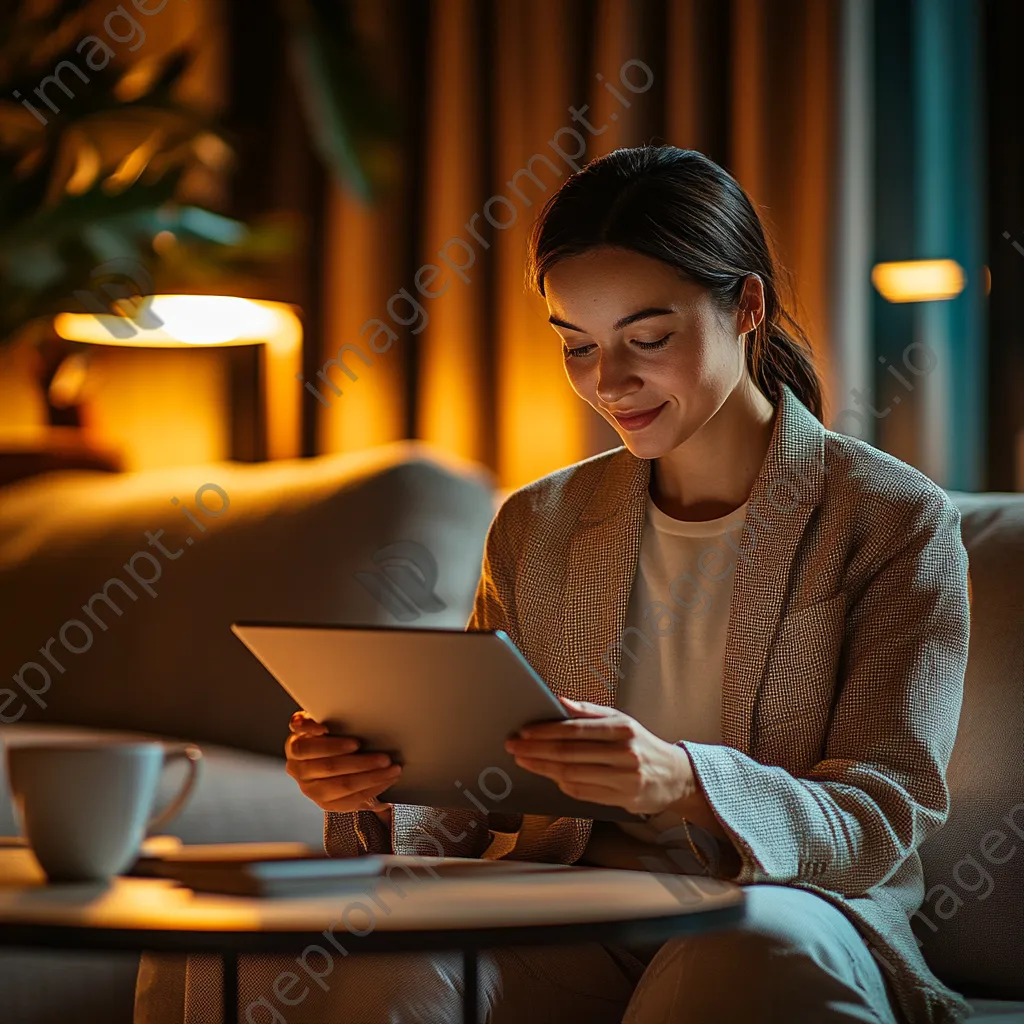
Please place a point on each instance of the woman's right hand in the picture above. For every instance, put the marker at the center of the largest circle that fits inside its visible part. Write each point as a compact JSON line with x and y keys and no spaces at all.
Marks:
{"x":331,"y":773}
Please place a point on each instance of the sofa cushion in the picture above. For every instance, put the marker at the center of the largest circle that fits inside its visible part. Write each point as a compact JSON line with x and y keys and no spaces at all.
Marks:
{"x":283,"y":541}
{"x":972,"y":922}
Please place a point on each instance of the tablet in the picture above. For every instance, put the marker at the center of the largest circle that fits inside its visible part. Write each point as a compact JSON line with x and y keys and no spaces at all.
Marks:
{"x":441,"y":702}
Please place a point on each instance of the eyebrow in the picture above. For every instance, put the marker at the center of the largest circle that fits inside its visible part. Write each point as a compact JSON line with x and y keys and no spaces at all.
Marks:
{"x":632,"y":318}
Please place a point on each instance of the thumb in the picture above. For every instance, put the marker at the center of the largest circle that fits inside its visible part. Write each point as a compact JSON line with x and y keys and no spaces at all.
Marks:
{"x":303,"y":722}
{"x":584,"y":709}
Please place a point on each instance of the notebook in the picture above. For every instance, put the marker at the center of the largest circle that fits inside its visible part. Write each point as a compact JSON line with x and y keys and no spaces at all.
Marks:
{"x":294,"y":870}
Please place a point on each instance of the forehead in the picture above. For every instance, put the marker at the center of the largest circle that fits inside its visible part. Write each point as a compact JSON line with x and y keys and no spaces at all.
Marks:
{"x":605,"y":284}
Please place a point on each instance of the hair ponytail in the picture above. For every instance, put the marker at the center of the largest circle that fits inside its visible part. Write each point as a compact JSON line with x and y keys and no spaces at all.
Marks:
{"x":775,"y":357}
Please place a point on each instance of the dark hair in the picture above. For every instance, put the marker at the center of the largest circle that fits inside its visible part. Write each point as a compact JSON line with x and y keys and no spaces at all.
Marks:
{"x":677,"y":206}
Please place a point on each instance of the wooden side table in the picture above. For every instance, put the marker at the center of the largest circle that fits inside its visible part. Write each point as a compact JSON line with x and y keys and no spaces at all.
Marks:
{"x":474,"y":905}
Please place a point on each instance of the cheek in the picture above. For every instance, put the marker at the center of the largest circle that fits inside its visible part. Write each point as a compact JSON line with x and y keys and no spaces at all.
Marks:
{"x":687,"y":372}
{"x":709,"y":366}
{"x":581,"y":381}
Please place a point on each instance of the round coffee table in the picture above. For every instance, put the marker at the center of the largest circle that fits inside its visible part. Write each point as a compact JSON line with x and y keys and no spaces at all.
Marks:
{"x":437,"y":904}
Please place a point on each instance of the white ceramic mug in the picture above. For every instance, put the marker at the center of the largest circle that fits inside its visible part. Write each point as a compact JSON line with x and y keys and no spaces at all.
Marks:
{"x":86,"y":805}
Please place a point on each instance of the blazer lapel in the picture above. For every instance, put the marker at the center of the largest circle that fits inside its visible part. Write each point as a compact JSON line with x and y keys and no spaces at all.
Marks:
{"x":603,"y":555}
{"x":784,"y":496}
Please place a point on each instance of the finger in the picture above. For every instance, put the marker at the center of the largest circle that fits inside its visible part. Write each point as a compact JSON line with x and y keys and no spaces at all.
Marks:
{"x":609,"y":752}
{"x":304,"y":747}
{"x":329,"y":767}
{"x":584,"y":782}
{"x":584,"y":709}
{"x":365,"y":799}
{"x":340,"y":787}
{"x":595,"y":794}
{"x":590,"y":774}
{"x":619,"y":728}
{"x":336,"y":791}
{"x":303,"y":722}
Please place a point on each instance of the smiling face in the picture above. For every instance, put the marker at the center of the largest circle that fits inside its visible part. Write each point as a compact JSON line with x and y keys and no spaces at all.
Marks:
{"x":639,"y":338}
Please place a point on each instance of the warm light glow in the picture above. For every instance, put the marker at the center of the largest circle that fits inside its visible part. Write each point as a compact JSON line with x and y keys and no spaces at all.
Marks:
{"x":191,"y":321}
{"x":212,"y":150}
{"x":164,"y":242}
{"x":137,"y":80}
{"x":69,"y":380}
{"x":918,"y":280}
{"x":186,"y":320}
{"x":132,"y":166}
{"x":87,"y":167}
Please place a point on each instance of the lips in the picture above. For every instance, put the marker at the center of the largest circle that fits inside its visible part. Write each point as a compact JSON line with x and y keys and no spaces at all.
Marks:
{"x":638,"y":420}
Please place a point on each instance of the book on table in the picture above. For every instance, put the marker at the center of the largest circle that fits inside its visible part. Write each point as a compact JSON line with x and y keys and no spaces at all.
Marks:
{"x":295,"y":869}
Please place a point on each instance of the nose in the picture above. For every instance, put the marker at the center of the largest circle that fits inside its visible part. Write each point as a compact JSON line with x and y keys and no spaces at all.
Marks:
{"x":615,"y":380}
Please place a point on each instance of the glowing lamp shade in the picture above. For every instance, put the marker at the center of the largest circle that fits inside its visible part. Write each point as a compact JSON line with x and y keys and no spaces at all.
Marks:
{"x":918,"y":280}
{"x":171,"y":321}
{"x":190,"y":321}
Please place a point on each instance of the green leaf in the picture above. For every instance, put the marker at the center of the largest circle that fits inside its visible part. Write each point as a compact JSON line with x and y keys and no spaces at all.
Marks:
{"x":349,"y":123}
{"x":51,"y":242}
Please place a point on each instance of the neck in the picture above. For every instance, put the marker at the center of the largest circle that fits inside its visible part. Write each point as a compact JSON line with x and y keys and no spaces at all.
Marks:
{"x":712,"y":473}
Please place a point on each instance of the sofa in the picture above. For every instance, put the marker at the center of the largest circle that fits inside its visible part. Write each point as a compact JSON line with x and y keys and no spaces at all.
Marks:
{"x":331,"y":540}
{"x":971,"y":924}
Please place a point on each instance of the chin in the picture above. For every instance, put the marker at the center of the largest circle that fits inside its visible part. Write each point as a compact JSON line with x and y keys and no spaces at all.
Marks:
{"x":644,"y":447}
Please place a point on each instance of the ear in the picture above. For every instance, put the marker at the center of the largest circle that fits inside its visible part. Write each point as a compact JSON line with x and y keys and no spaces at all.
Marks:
{"x":751,"y":311}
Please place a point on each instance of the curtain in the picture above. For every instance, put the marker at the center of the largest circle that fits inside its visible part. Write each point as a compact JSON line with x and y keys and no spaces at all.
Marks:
{"x":426,"y":287}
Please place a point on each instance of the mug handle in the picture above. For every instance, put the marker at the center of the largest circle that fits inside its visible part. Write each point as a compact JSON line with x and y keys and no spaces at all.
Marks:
{"x":194,"y":756}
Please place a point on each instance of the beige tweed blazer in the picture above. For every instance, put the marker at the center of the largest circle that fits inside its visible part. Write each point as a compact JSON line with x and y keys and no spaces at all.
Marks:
{"x":843,"y":678}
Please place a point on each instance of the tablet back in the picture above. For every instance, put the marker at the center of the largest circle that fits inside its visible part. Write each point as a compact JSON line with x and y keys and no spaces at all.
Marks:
{"x":441,"y":702}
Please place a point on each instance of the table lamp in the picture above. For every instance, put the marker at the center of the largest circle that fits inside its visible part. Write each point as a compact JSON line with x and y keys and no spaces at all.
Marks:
{"x":188,"y":321}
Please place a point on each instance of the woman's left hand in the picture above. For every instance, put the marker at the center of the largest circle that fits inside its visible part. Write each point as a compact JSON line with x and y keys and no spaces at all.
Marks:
{"x":604,"y":756}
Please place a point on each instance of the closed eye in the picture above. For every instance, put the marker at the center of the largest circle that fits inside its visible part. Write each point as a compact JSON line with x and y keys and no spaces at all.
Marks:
{"x":647,"y":346}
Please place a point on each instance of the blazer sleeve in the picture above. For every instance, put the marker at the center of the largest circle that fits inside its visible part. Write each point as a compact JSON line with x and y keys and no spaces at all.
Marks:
{"x":355,"y":833}
{"x":880,"y":789}
{"x":494,"y":604}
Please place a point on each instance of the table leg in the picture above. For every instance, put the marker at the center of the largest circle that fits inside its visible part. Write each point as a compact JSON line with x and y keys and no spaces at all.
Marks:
{"x":469,"y":987}
{"x":229,"y":988}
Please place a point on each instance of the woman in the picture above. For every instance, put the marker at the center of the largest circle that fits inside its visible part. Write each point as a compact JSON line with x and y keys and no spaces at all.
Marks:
{"x":759,"y":626}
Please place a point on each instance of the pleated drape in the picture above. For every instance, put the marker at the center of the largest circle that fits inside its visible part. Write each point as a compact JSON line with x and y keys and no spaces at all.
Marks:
{"x":506,"y":98}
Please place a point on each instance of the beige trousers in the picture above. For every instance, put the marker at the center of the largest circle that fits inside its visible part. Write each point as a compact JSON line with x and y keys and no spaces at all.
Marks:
{"x":795,"y":960}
